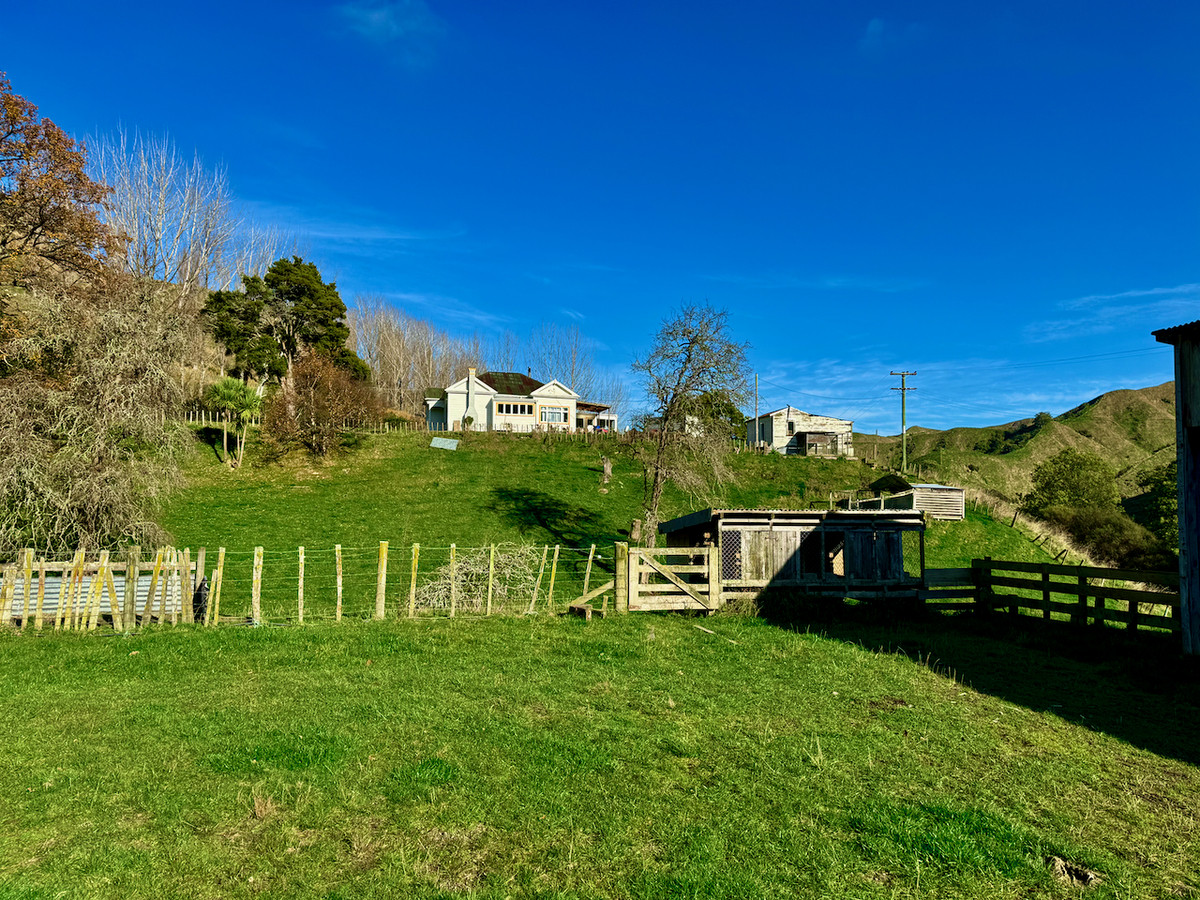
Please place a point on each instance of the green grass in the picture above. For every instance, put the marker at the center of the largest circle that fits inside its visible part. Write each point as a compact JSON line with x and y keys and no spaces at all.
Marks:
{"x":543,"y":757}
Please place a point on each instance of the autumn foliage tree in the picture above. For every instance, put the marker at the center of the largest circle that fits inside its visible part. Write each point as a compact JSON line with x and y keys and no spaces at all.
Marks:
{"x":48,"y":204}
{"x":86,"y":388}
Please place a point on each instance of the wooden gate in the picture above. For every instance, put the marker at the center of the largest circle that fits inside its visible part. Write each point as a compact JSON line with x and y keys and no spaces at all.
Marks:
{"x":673,"y":578}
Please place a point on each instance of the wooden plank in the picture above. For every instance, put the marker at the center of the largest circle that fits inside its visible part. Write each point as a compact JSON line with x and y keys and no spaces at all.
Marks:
{"x":670,"y":576}
{"x":596,"y":592}
{"x":1166,"y":579}
{"x":200,"y":572}
{"x":96,"y":594}
{"x":381,"y":581}
{"x":950,"y":577}
{"x":667,"y":603}
{"x":950,"y":607}
{"x":118,"y":620}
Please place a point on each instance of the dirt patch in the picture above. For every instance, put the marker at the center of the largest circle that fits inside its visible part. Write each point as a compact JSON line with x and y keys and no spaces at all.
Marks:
{"x":456,"y":861}
{"x":889,"y":703}
{"x":1069,"y":873}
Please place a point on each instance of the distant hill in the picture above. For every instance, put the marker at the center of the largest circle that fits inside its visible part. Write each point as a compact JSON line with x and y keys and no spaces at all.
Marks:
{"x":1131,"y":430}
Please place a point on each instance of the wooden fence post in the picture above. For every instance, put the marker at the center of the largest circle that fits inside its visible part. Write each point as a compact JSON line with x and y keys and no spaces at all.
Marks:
{"x":27,"y":604}
{"x":185,"y":588}
{"x":96,"y":594}
{"x":300,"y":590}
{"x":381,"y":581}
{"x":538,"y":587}
{"x":983,"y":585}
{"x":7,"y":593}
{"x":621,"y":577}
{"x":170,"y":583}
{"x":714,"y":576}
{"x":1082,"y":616}
{"x":412,"y":581}
{"x":256,"y":588}
{"x":587,"y":573}
{"x":41,"y":595}
{"x":491,"y":577}
{"x":453,"y":581}
{"x":200,"y":560}
{"x":337,"y":556}
{"x":133,"y":566}
{"x":553,"y":574}
{"x":213,"y":614}
{"x":155,"y":572}
{"x":1045,"y":593}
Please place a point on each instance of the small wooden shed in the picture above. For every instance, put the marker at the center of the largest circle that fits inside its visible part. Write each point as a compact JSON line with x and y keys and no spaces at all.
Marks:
{"x":847,"y":552}
{"x":938,"y":501}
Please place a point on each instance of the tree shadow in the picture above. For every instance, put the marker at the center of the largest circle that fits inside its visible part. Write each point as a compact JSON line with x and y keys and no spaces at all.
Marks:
{"x":211,"y":437}
{"x":565,"y":523}
{"x":1139,"y":688}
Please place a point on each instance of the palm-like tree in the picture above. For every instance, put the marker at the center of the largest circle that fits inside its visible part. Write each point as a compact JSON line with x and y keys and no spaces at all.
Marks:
{"x":233,"y":400}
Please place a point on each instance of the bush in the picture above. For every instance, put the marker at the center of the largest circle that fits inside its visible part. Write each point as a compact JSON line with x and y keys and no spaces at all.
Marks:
{"x":316,"y":406}
{"x":1111,"y":535}
{"x":1071,"y":478}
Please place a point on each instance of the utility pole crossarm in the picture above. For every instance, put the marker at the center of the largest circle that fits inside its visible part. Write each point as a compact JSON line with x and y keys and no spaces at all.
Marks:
{"x":903,"y":389}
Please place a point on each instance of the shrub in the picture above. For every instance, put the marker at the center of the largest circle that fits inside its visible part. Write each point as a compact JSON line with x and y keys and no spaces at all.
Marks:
{"x":315,"y":406}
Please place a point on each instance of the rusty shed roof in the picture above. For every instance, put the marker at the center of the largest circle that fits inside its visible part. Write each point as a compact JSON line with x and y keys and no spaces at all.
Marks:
{"x":1178,"y":333}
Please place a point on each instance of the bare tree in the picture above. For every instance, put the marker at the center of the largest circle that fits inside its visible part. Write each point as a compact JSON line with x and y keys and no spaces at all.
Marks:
{"x":407,"y":355}
{"x":693,"y":358}
{"x":179,"y":218}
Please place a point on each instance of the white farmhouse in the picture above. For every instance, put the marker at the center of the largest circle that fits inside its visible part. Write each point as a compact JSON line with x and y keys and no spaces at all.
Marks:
{"x":796,"y":433}
{"x":510,"y":401}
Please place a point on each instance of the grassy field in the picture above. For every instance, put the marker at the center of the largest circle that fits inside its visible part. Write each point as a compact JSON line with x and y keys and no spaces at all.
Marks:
{"x":518,"y":491}
{"x":545,"y":757}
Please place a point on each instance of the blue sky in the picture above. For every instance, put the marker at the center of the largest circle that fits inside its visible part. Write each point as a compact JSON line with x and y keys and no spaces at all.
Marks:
{"x":1002,"y":198}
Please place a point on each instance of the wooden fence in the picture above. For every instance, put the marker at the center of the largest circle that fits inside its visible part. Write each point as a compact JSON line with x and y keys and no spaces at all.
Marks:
{"x":291,"y":587}
{"x":1080,"y":595}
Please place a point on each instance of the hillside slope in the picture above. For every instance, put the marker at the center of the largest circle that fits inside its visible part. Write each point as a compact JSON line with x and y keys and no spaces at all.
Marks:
{"x":1131,"y":430}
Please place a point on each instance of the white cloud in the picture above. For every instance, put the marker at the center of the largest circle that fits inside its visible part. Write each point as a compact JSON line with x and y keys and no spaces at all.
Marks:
{"x":1137,"y":311}
{"x":409,"y":27}
{"x":449,"y":308}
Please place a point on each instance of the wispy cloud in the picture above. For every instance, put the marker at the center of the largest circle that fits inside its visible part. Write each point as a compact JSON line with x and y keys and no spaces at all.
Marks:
{"x":882,"y":37}
{"x":449,"y":308}
{"x":1137,"y":311}
{"x":408,"y":27}
{"x":573,"y":314}
{"x":868,"y":284}
{"x":346,"y":226}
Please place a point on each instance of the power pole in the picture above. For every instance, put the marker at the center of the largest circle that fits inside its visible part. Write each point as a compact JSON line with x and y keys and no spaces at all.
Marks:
{"x":903,"y":389}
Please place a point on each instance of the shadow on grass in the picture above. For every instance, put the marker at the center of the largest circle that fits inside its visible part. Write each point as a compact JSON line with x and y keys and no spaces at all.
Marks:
{"x":565,"y":523}
{"x":1139,"y":688}
{"x":211,"y":437}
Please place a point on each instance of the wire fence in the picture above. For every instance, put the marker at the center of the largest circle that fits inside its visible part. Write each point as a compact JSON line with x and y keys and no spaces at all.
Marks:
{"x":305,"y":584}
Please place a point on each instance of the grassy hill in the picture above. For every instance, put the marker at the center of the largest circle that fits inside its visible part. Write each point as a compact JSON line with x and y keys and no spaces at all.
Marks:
{"x":1131,"y":430}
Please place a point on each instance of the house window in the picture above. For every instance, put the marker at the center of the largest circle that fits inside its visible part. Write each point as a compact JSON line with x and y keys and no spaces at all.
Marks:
{"x":791,"y":428}
{"x":514,"y":409}
{"x":554,"y":415}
